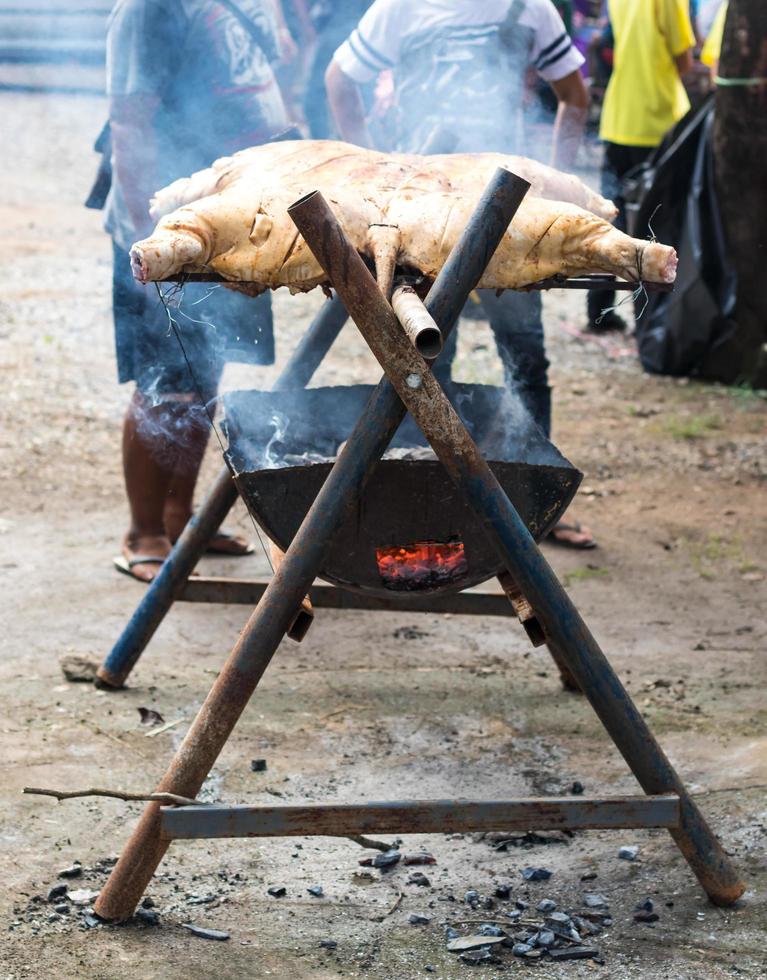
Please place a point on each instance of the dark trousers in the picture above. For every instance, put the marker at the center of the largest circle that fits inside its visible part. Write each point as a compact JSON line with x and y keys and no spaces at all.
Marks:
{"x":618,"y":161}
{"x":515,"y":319}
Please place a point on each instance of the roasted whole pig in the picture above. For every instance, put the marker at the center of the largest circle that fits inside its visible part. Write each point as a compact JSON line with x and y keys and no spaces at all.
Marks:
{"x":401,"y":210}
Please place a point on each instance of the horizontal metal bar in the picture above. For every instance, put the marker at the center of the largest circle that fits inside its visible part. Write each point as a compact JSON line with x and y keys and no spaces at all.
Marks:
{"x":419,"y":817}
{"x":248,"y":592}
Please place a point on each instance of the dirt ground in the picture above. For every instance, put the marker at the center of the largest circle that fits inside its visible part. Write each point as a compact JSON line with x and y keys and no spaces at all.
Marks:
{"x":370,"y":705}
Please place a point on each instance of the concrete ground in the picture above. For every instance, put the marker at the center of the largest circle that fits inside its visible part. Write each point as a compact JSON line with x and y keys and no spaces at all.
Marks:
{"x":370,"y":705}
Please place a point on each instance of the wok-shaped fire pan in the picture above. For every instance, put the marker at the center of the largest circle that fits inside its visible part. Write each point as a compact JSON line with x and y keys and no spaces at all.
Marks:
{"x":412,"y":530}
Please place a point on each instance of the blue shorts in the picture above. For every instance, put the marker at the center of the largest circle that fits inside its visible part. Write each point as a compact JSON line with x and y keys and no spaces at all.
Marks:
{"x":214,"y":326}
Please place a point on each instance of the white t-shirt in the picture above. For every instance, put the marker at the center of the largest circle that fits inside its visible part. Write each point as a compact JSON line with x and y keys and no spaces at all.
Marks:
{"x":459,"y":64}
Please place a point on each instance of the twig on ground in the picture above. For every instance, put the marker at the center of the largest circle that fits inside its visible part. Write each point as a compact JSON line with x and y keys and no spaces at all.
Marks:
{"x":376,"y":845}
{"x":168,"y":798}
{"x":395,"y":905}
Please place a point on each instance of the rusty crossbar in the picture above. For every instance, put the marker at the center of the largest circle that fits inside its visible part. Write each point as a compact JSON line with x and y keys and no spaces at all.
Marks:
{"x":248,"y":592}
{"x":420,"y":817}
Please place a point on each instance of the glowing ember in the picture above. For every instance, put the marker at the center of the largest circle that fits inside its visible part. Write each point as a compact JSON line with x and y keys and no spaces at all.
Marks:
{"x":423,"y":565}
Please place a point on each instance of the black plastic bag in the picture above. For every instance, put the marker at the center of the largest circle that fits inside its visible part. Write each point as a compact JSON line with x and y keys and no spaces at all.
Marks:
{"x":673,"y":197}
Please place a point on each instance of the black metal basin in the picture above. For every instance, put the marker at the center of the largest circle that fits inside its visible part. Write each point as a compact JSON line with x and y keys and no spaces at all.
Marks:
{"x":282,"y":445}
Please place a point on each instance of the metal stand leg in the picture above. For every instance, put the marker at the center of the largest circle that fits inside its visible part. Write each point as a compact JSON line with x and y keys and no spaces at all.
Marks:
{"x":424,"y":398}
{"x":334,"y":504}
{"x":198,"y":533}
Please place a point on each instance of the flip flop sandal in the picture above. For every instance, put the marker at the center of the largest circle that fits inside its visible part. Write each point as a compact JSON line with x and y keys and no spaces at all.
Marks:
{"x":228,"y":536}
{"x":576,"y":528}
{"x":126,"y":565}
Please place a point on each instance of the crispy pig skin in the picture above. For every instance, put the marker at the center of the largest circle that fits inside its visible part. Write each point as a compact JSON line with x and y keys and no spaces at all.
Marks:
{"x":232,"y":218}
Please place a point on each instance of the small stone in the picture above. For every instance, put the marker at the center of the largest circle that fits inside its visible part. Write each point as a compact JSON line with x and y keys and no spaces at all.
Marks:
{"x":276,"y":891}
{"x":328,"y":944}
{"x":82,"y":896}
{"x":61,"y":909}
{"x":78,"y":668}
{"x":316,"y":890}
{"x":58,"y":891}
{"x":471,"y":897}
{"x":594,"y":901}
{"x":258,"y":765}
{"x":149,"y":917}
{"x":418,"y":920}
{"x":546,"y":905}
{"x":645,"y":906}
{"x":577,"y":788}
{"x":628,"y":852}
{"x":573,"y":953}
{"x":503,"y":890}
{"x":536,"y":874}
{"x":546,"y":939}
{"x":73,"y":871}
{"x":204,"y":933}
{"x":386,"y":859}
{"x":521,"y":949}
{"x":646,"y":917}
{"x":420,"y":879}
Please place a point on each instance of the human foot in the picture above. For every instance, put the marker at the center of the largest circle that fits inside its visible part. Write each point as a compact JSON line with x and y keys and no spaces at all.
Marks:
{"x":572,"y":535}
{"x":143,"y":555}
{"x":223,"y":542}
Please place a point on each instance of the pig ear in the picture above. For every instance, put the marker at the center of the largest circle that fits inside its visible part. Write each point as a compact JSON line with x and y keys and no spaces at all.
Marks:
{"x":384,"y":241}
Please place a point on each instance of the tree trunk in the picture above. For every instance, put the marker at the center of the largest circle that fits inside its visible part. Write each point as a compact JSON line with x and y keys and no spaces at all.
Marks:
{"x":740,"y":153}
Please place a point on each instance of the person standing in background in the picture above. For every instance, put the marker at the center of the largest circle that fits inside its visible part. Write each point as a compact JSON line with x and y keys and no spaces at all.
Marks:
{"x":653,"y":41}
{"x":460,"y":68}
{"x":188,"y":81}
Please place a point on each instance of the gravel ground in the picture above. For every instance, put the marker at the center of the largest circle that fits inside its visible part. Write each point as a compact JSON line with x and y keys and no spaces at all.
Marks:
{"x":370,"y":705}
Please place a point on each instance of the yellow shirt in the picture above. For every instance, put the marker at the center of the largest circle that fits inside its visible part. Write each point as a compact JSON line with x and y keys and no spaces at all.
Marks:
{"x":711,"y":50}
{"x":645,"y":95}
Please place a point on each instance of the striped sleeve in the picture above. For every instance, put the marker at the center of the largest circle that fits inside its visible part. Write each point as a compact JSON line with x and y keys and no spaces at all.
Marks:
{"x":373,"y":46}
{"x":554,"y":55}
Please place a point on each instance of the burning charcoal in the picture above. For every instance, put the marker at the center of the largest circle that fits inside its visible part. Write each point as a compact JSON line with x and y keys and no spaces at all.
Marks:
{"x":58,"y":891}
{"x":476,"y":956}
{"x":420,"y":879}
{"x":594,"y":901}
{"x":276,"y":891}
{"x":503,"y":890}
{"x":577,"y":788}
{"x":386,"y":859}
{"x":646,"y":917}
{"x":73,"y":871}
{"x":423,"y":858}
{"x":328,"y":944}
{"x":546,"y":905}
{"x":471,"y":897}
{"x":204,"y":933}
{"x":150,"y":717}
{"x":645,"y":906}
{"x":628,"y":852}
{"x":489,"y":929}
{"x":258,"y":765}
{"x":536,"y":874}
{"x":573,"y":953}
{"x":520,"y":949}
{"x":149,"y":917}
{"x":418,"y":920}
{"x":316,"y":890}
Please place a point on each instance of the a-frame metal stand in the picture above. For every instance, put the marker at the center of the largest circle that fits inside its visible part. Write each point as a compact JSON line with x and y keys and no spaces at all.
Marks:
{"x":409,"y":385}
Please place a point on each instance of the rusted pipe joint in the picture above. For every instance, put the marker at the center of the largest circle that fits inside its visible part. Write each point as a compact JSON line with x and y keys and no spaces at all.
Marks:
{"x":417,"y":322}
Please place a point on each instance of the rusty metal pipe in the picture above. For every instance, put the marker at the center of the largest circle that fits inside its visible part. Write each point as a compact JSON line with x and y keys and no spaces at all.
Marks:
{"x":336,"y":502}
{"x":417,"y":322}
{"x":424,"y":398}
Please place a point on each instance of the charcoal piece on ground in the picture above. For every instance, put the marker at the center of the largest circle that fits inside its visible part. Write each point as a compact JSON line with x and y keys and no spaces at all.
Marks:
{"x":592,"y":900}
{"x":328,"y":944}
{"x":519,"y":949}
{"x":503,"y":889}
{"x":148,"y":917}
{"x":316,"y":891}
{"x":386,"y":859}
{"x":471,"y":897}
{"x":573,"y":953}
{"x":577,"y":788}
{"x":477,"y":956}
{"x":490,"y":929}
{"x":203,"y":933}
{"x":258,"y":765}
{"x":628,"y":852}
{"x":419,"y":879}
{"x":418,"y":920}
{"x":90,"y":921}
{"x":646,"y":917}
{"x":57,"y":892}
{"x":546,"y":939}
{"x":521,"y":904}
{"x":61,"y":909}
{"x":73,"y":871}
{"x":546,"y":905}
{"x":536,"y":874}
{"x":588,"y":875}
{"x":645,"y":906}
